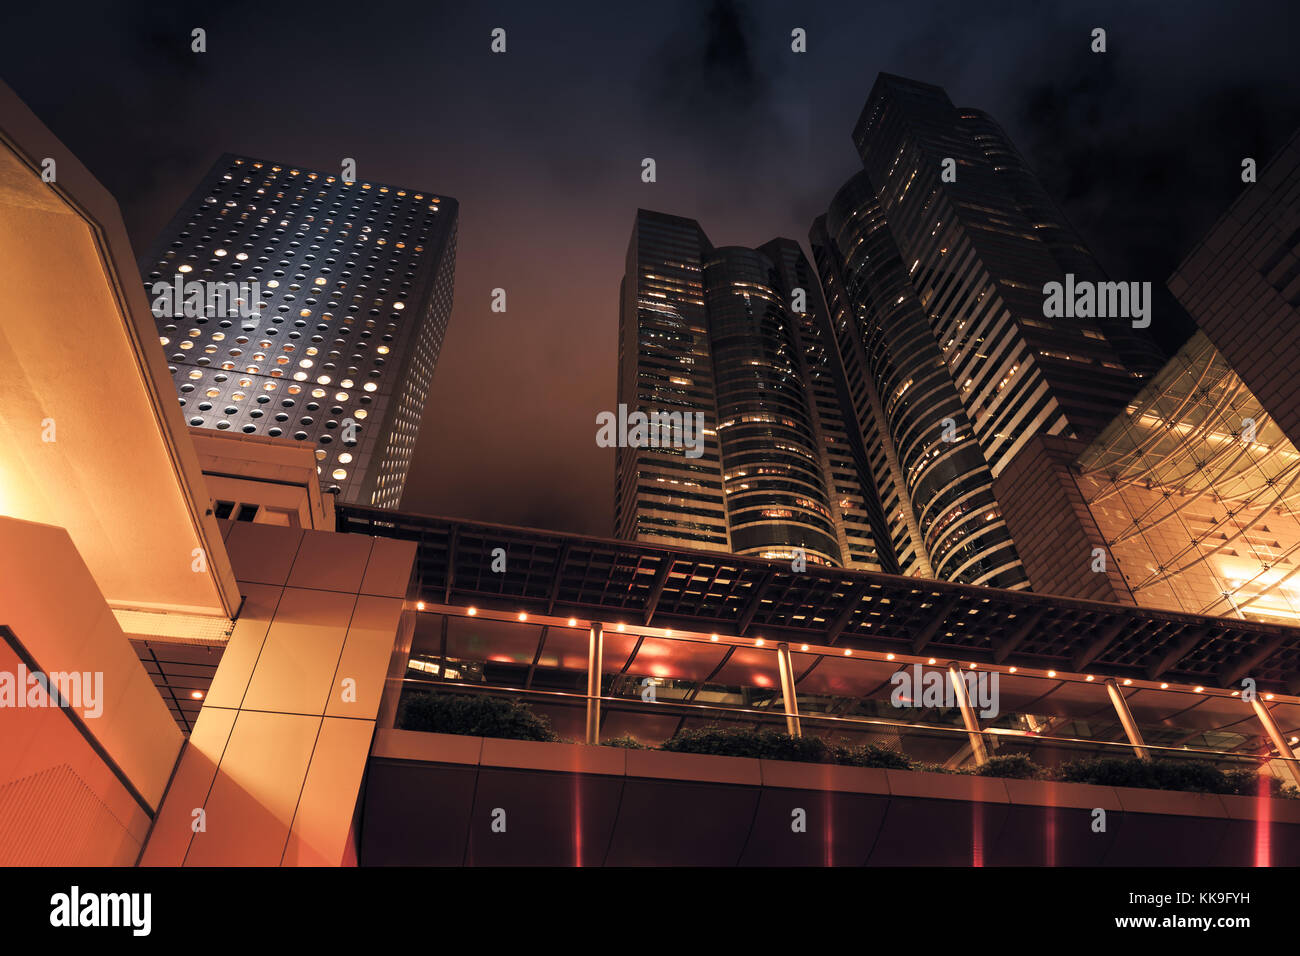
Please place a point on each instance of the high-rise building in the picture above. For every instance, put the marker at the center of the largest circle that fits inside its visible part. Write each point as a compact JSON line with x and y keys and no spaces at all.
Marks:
{"x":935,"y":260}
{"x":664,"y":364}
{"x":292,"y":303}
{"x":731,"y":334}
{"x":854,"y":504}
{"x":934,"y":484}
{"x":979,"y":241}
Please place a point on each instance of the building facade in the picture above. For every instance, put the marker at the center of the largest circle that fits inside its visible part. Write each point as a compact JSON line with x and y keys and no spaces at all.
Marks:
{"x":979,"y":241}
{"x":732,"y":335}
{"x":935,"y":261}
{"x":291,"y":303}
{"x":935,"y":485}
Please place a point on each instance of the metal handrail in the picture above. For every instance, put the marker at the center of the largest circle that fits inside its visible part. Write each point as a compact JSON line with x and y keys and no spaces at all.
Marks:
{"x":999,"y":734}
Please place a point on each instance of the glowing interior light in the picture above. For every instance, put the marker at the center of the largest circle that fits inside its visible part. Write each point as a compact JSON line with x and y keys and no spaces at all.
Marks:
{"x":472,"y":611}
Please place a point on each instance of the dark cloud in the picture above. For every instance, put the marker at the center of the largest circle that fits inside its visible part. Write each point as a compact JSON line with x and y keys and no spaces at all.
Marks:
{"x":710,"y":84}
{"x":1143,"y":183}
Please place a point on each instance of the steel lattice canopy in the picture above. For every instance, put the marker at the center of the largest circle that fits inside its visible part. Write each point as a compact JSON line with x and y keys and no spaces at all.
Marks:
{"x":567,"y":574}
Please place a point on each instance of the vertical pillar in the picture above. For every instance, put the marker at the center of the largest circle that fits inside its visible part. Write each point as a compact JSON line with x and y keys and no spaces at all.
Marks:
{"x":1126,"y":720}
{"x":788,"y":696}
{"x":595,"y":657}
{"x":968,"y":717}
{"x":1275,"y":734}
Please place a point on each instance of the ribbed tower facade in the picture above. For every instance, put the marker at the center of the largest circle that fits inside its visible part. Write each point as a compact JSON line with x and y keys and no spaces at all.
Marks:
{"x":978,"y":246}
{"x":336,"y":302}
{"x":935,"y":261}
{"x":723,"y":332}
{"x":935,"y":486}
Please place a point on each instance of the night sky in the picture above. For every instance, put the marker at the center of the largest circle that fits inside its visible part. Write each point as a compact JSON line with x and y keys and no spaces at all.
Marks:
{"x":542,"y":146}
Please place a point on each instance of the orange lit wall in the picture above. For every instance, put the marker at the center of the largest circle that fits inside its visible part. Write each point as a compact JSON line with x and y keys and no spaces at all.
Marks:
{"x":276,"y":759}
{"x":62,"y":801}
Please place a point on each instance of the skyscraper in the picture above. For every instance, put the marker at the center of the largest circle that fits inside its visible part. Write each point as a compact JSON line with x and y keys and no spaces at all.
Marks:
{"x":665,"y":364}
{"x":979,"y":240}
{"x":938,"y":506}
{"x":294,"y":304}
{"x":730,"y":334}
{"x":935,"y":260}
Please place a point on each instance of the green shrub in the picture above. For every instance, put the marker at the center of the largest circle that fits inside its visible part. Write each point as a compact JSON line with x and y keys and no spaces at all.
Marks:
{"x":743,"y":742}
{"x":1192,"y":775}
{"x":1162,"y":774}
{"x":626,"y":741}
{"x":870,"y":755}
{"x":477,"y":715}
{"x":1014,"y":766}
{"x":1107,"y":772}
{"x":1247,"y":783}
